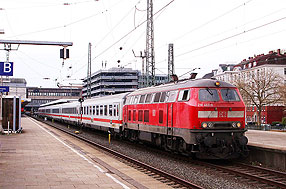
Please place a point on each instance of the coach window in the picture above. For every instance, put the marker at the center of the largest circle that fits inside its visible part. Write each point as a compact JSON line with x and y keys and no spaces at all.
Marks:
{"x":114,"y":110}
{"x":172,"y":96}
{"x":117,"y":110}
{"x":105,"y":109}
{"x":97,"y":110}
{"x":101,"y":110}
{"x":134,"y":115}
{"x":148,"y":98}
{"x":110,"y":110}
{"x":93,"y":110}
{"x":157,"y":97}
{"x":129,"y":115}
{"x":146,"y":115}
{"x":140,"y":115}
{"x":142,"y":98}
{"x":163,"y":97}
{"x":184,"y":95}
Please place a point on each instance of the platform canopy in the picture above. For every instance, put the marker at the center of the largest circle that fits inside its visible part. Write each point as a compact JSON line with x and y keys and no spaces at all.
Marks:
{"x":26,"y":42}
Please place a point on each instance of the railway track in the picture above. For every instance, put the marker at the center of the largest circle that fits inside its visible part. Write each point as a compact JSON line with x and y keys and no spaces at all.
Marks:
{"x":254,"y":175}
{"x":158,"y":174}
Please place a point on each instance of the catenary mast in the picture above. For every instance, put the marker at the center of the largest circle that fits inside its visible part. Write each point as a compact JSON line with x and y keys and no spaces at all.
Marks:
{"x":150,"y":54}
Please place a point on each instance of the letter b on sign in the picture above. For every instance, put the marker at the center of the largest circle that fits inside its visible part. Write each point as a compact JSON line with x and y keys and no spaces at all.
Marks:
{"x":6,"y":68}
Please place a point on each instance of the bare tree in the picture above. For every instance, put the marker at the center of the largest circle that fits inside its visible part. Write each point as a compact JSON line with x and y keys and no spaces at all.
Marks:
{"x":283,"y":93}
{"x":260,"y":88}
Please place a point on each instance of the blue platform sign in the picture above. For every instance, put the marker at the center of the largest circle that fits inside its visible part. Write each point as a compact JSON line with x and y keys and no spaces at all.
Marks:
{"x":4,"y":89}
{"x":6,"y":68}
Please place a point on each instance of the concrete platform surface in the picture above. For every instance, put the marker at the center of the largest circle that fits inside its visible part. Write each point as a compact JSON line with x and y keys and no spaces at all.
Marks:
{"x":42,"y":157}
{"x":267,"y":139}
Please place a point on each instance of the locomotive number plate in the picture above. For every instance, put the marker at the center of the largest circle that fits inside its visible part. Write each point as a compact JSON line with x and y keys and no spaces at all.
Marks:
{"x":222,"y":114}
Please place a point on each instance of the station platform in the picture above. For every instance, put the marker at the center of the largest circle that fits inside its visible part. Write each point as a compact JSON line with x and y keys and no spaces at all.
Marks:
{"x":43,"y":157}
{"x":267,"y":139}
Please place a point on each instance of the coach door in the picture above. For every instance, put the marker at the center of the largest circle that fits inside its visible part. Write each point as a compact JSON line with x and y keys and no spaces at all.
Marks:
{"x":170,"y":119}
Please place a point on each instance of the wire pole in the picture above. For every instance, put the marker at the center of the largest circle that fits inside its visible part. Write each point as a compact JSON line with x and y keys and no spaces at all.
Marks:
{"x":88,"y":78}
{"x":170,"y":61}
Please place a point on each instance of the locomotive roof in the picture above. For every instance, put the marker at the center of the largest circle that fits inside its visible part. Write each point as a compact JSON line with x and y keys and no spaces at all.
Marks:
{"x":182,"y":84}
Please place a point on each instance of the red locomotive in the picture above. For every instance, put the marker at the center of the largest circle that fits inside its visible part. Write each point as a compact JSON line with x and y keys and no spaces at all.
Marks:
{"x":201,"y":117}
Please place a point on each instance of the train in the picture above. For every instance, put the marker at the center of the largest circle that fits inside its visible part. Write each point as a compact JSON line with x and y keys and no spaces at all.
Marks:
{"x":203,"y":118}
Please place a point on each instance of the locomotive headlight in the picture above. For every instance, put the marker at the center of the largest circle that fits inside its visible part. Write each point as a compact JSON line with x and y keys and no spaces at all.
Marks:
{"x":236,"y":124}
{"x":204,"y":125}
{"x":233,"y":124}
{"x":210,"y":124}
{"x":217,"y":83}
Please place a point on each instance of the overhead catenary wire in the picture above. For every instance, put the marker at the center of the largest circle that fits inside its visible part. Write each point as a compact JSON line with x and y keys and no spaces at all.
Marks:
{"x":232,"y":36}
{"x":114,"y":27}
{"x":62,"y":26}
{"x":127,"y":34}
{"x":212,"y":20}
{"x":250,"y":22}
{"x":131,"y":31}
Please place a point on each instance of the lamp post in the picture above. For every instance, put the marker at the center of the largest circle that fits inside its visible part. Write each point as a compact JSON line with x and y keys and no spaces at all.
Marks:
{"x":1,"y":128}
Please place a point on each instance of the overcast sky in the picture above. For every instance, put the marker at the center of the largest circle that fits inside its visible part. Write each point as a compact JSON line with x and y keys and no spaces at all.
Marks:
{"x":205,"y":34}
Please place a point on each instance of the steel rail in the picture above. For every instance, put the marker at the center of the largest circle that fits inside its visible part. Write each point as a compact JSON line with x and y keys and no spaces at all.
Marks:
{"x":260,"y":179}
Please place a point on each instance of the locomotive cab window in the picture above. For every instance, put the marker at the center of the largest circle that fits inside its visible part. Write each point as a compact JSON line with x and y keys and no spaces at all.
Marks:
{"x":229,"y":95}
{"x":157,"y":97}
{"x":172,"y":95}
{"x":184,"y":95}
{"x":142,"y":98}
{"x":135,"y":100}
{"x":128,"y":100}
{"x":208,"y":95}
{"x":163,"y":97}
{"x":148,"y":98}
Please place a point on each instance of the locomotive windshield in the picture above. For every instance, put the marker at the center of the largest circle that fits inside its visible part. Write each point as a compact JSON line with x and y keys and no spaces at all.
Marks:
{"x":229,"y":95}
{"x":208,"y":95}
